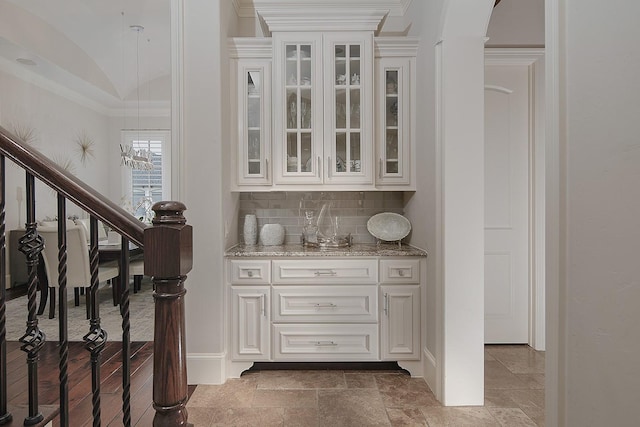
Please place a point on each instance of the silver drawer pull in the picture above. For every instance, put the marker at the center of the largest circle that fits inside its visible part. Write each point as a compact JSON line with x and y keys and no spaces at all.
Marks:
{"x":325,"y":344}
{"x":325,"y":273}
{"x":249,"y":273}
{"x":400,"y":273}
{"x":324,"y":305}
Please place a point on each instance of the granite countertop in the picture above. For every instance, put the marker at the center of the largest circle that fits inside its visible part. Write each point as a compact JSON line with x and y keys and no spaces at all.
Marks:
{"x":297,"y":250}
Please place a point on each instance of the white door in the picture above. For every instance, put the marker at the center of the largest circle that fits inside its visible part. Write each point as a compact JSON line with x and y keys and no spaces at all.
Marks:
{"x":507,"y":203}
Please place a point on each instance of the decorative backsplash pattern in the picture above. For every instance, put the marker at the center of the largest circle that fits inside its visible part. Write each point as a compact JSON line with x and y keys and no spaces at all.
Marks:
{"x":288,"y":208}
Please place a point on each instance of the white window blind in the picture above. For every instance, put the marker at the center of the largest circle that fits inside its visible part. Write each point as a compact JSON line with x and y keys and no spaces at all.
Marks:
{"x":145,"y":187}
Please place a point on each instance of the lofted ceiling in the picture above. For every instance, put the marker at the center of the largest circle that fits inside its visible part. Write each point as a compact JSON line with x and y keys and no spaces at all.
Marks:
{"x":88,"y":45}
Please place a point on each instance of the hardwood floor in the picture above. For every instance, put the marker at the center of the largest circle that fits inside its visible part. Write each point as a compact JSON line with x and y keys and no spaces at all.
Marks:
{"x":79,"y":375}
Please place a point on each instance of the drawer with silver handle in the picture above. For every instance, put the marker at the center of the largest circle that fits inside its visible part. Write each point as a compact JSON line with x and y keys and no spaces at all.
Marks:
{"x":325,"y":271}
{"x":400,"y":271}
{"x":336,"y":304}
{"x":249,"y":272}
{"x":335,"y":342}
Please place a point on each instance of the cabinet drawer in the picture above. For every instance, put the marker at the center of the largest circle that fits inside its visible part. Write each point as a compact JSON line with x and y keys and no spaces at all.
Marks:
{"x":334,"y":304}
{"x":249,"y":272}
{"x":327,"y":271}
{"x":400,"y":271}
{"x":337,"y":342}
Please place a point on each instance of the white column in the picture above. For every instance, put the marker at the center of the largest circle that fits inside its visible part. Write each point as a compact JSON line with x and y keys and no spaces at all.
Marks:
{"x":460,"y":79}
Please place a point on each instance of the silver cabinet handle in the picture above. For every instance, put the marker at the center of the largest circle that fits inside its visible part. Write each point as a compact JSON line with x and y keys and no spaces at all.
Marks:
{"x":325,"y":343}
{"x":319,"y":166}
{"x":325,"y":273}
{"x":400,"y":272}
{"x":380,"y":168}
{"x":386,"y":304}
{"x":329,"y":166}
{"x":324,"y":305}
{"x":249,"y":273}
{"x":266,"y":168}
{"x":263,"y":300}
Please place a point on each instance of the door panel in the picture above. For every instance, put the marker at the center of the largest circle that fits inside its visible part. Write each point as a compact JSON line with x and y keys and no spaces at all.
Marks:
{"x":507,"y":203}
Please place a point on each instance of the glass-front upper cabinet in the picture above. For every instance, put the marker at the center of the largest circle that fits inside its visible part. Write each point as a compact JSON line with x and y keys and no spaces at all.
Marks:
{"x":349,"y":141}
{"x":323,"y":114}
{"x":254,"y":122}
{"x":297,"y":104}
{"x":393,"y":128}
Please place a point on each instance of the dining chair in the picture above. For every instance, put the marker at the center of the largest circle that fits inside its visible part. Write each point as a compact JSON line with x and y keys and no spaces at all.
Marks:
{"x":78,"y":271}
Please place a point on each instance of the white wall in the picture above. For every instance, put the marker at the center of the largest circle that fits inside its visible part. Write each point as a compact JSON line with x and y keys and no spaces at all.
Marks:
{"x":421,"y":206}
{"x":57,"y":122}
{"x":599,"y":295}
{"x":517,"y":23}
{"x":205,"y":75}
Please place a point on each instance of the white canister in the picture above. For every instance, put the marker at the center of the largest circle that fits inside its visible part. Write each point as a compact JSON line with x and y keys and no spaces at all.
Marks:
{"x":272,"y":234}
{"x":250,"y":230}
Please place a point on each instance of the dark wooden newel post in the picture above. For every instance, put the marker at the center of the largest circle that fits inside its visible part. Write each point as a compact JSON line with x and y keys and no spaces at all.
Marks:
{"x":168,"y":258}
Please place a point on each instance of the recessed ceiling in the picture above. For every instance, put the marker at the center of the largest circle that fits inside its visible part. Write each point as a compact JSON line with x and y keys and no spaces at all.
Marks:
{"x":89,"y":42}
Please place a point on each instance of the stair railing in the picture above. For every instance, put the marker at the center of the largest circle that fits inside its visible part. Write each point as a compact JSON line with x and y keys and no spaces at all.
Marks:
{"x":167,"y":245}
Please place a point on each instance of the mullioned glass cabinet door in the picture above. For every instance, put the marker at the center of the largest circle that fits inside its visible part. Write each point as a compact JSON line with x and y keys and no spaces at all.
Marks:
{"x":348,"y":108}
{"x":297,"y":108}
{"x":393,"y":121}
{"x":254,"y":122}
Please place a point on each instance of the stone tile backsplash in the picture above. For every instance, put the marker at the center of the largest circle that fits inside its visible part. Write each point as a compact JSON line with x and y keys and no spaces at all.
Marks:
{"x":353,"y":210}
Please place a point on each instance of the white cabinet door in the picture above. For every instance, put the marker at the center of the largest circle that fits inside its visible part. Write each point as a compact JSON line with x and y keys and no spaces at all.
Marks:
{"x":348,"y":108}
{"x":400,"y":322}
{"x":250,"y":322}
{"x":323,"y":108}
{"x":254,"y":121}
{"x":393,"y":101}
{"x":297,"y":104}
{"x":507,"y":133}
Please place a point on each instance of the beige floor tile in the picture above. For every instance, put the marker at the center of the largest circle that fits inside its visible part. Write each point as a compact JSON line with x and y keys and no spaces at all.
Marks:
{"x":295,"y":380}
{"x":406,"y":417}
{"x":499,"y":398}
{"x":519,"y":359}
{"x":476,"y":416}
{"x":511,"y":417}
{"x":360,"y":380}
{"x":235,"y":393}
{"x":532,"y":380}
{"x":285,"y":399}
{"x":408,"y":398}
{"x":352,"y":407}
{"x":301,"y":417}
{"x":497,"y":376}
{"x":247,"y":417}
{"x":392,"y":381}
{"x":200,"y":416}
{"x":528,"y":397}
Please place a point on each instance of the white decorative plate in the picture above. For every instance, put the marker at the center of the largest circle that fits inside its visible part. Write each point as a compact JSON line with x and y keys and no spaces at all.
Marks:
{"x":389,"y":226}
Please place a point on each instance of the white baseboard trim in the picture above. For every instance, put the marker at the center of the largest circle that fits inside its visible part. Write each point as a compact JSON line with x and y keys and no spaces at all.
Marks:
{"x":430,"y":370}
{"x":206,"y":368}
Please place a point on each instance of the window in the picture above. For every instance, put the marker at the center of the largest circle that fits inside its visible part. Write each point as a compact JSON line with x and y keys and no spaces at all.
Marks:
{"x":142,"y":188}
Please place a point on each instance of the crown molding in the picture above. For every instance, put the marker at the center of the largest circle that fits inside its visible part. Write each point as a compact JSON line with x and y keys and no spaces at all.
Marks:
{"x":250,"y":8}
{"x":322,"y":19}
{"x":396,"y":46}
{"x":253,"y":47}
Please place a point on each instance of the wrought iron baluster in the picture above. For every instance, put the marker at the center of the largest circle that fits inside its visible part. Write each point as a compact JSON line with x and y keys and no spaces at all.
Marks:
{"x":126,"y":333}
{"x":63,"y":333}
{"x":5,"y":415}
{"x":31,"y":244}
{"x":96,"y":338}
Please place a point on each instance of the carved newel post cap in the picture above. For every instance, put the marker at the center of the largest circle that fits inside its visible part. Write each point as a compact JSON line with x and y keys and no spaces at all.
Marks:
{"x":168,"y":244}
{"x":169,"y":212}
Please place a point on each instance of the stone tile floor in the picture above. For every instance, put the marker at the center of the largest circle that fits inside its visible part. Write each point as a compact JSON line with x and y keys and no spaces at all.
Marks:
{"x":514,"y":396}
